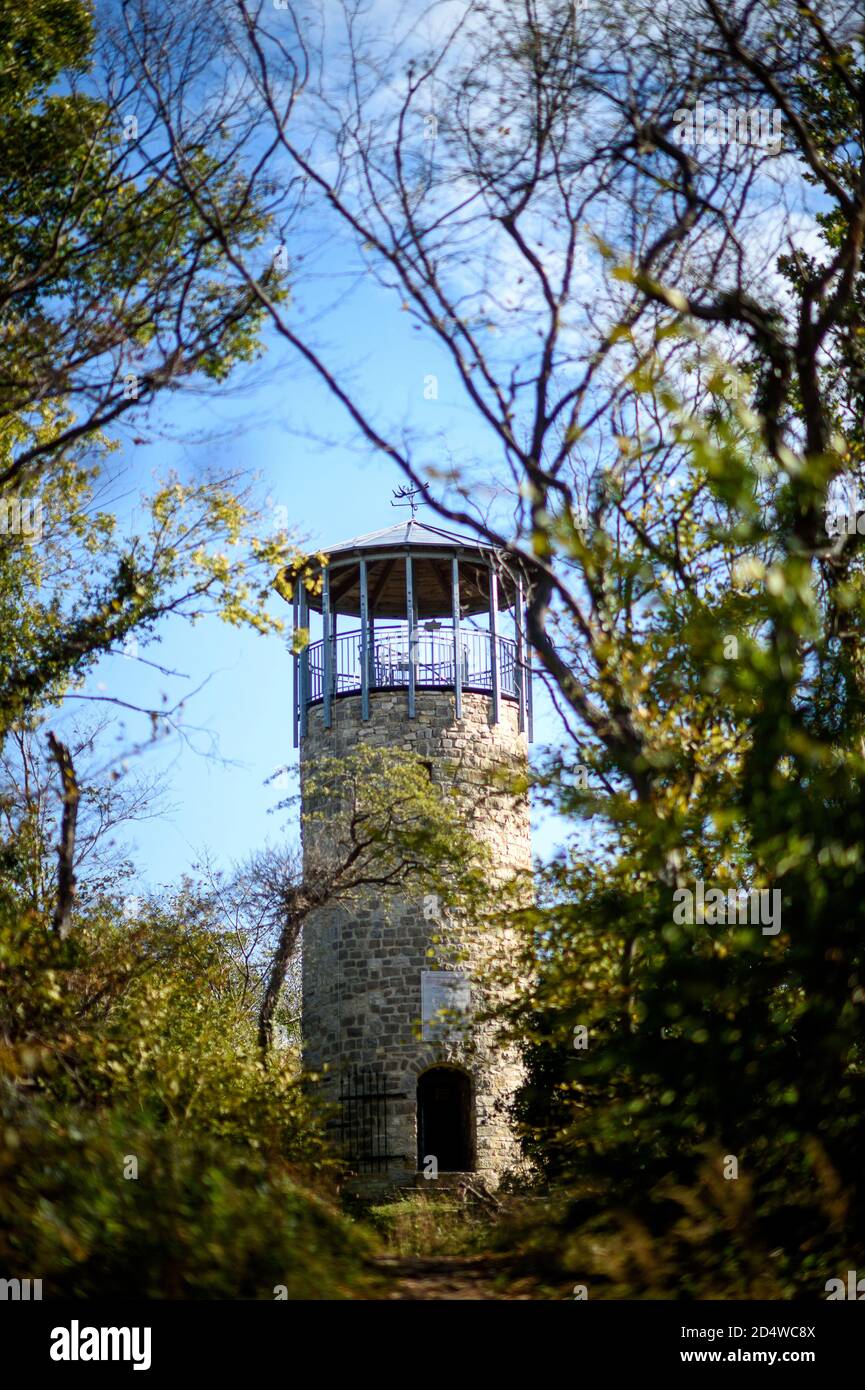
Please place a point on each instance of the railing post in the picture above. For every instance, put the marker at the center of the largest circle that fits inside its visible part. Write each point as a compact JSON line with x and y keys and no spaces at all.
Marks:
{"x":303,"y":619}
{"x":334,"y":648}
{"x":458,"y":656}
{"x":295,"y":693}
{"x":327,"y":652}
{"x":519,"y":674}
{"x":494,"y":642}
{"x":364,"y":643}
{"x":409,"y":606}
{"x":529,"y":710}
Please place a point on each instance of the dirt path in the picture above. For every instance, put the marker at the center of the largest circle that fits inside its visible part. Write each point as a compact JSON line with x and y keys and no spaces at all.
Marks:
{"x":445,"y":1277}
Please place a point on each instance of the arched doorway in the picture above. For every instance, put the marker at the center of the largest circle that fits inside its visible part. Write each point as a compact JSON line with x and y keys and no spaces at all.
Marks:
{"x":444,"y":1119}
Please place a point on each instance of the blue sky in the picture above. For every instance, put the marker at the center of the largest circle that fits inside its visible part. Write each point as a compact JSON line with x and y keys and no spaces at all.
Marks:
{"x":285,"y":427}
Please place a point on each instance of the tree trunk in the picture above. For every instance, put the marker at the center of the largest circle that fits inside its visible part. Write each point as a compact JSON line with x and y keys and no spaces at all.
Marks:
{"x":291,"y":926}
{"x":62,"y":918}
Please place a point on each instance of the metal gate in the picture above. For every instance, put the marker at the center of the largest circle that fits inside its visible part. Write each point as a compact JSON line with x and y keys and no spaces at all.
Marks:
{"x":363,"y":1098}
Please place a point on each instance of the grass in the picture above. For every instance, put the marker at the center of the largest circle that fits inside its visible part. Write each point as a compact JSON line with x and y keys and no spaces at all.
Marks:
{"x":421,"y":1224}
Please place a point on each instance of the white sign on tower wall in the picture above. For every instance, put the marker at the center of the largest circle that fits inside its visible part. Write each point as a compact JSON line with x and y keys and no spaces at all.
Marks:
{"x":445,"y":1001}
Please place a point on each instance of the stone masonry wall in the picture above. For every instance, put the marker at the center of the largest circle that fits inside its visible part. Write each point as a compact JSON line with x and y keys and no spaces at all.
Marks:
{"x":362,"y":967}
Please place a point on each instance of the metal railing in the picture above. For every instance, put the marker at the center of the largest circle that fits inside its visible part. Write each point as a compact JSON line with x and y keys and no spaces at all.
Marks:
{"x":389,"y":654}
{"x":363,"y":1097}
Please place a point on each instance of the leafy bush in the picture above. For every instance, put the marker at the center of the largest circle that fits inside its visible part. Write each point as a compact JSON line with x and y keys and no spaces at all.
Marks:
{"x":127,"y":1048}
{"x":203,"y":1218}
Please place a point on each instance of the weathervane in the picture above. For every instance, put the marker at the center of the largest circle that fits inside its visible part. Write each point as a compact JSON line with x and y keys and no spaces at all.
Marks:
{"x":408,"y":495}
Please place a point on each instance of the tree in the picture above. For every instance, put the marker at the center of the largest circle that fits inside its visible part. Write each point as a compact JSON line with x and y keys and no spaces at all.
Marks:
{"x":668,"y":374}
{"x":112,"y":289}
{"x":143,"y":1145}
{"x":31,"y":809}
{"x":85,"y":589}
{"x":545,"y":164}
{"x":137,"y":1117}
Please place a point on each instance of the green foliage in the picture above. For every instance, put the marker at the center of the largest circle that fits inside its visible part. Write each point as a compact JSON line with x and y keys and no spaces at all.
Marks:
{"x":147,"y":1008}
{"x":711,"y":1039}
{"x":379,"y":814}
{"x":132,"y":1039}
{"x":694,"y":1240}
{"x":202,"y":1218}
{"x":105,"y":265}
{"x":135,"y":1036}
{"x":85,"y":587}
{"x":104,"y":262}
{"x":431,"y":1223}
{"x":738,"y":654}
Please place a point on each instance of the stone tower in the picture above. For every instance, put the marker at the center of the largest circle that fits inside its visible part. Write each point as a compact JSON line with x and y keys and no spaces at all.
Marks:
{"x":415,"y":644}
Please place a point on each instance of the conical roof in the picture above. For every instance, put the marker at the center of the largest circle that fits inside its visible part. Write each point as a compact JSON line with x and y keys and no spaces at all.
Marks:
{"x":412,"y":533}
{"x":433,"y":550}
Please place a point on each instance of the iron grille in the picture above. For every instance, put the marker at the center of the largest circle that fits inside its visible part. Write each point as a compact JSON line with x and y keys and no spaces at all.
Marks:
{"x":364,"y":1096}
